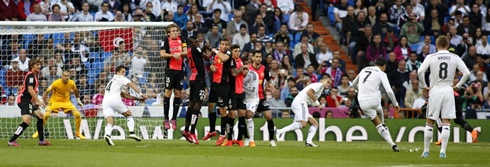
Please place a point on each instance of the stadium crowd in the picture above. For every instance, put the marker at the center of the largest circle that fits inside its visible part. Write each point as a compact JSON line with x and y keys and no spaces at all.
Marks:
{"x":402,"y":31}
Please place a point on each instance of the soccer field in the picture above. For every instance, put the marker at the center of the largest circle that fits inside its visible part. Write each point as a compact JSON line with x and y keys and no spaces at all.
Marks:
{"x":289,"y":153}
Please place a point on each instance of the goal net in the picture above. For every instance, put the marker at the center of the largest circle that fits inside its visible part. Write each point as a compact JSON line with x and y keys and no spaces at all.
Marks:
{"x":90,"y":52}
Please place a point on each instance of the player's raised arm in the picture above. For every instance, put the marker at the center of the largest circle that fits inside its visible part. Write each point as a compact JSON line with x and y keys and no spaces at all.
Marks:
{"x":466,"y":73}
{"x":135,"y":88}
{"x":421,"y":72}
{"x":129,"y":97}
{"x":223,"y":57}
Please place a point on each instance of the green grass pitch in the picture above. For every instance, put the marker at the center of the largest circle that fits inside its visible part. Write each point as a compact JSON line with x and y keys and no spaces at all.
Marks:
{"x":290,"y":153}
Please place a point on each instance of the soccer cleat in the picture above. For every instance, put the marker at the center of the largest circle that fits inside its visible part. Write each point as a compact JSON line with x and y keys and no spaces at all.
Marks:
{"x":273,"y":143}
{"x":252,"y":144}
{"x":133,"y":136}
{"x":442,"y":155}
{"x":221,"y":139}
{"x":425,"y":155}
{"x":310,"y":144}
{"x":35,"y":135}
{"x":438,"y":143}
{"x":225,"y":143}
{"x":14,"y":143}
{"x":167,"y":124}
{"x":278,"y":135}
{"x":229,"y":143}
{"x":395,"y":148}
{"x":187,"y":136}
{"x":44,"y":143}
{"x":247,"y":142}
{"x":235,"y":142}
{"x":209,"y":135}
{"x":174,"y":124}
{"x":108,"y":140}
{"x":240,"y":143}
{"x":194,"y":138}
{"x":78,"y":135}
{"x":475,"y":134}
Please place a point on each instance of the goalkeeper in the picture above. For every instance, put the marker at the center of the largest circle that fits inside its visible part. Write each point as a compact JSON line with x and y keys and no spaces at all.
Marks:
{"x":60,"y":99}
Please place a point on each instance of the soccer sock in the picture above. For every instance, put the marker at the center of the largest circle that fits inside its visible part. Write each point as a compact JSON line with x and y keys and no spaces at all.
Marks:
{"x":188,"y":117}
{"x":108,"y":129}
{"x":212,"y":122}
{"x":19,"y":131}
{"x":224,"y":121}
{"x":78,"y":121}
{"x":291,"y":127}
{"x":46,"y":116}
{"x":250,"y":125}
{"x":231,"y":124}
{"x":466,"y":126}
{"x":166,"y":107}
{"x":428,"y":133}
{"x":194,"y":118}
{"x":311,"y":133}
{"x":241,"y":127}
{"x":130,"y":124}
{"x":385,"y":134}
{"x":40,"y":129}
{"x":270,"y":126}
{"x":176,"y":108}
{"x":445,"y":136}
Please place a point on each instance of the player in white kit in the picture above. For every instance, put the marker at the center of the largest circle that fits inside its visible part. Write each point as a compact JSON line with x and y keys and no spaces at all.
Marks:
{"x":442,"y":65}
{"x":308,"y":96}
{"x":112,"y":102}
{"x":251,"y":87}
{"x":368,"y":82}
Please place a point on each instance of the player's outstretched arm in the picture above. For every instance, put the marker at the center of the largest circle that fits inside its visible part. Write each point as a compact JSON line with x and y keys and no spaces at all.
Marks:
{"x":129,"y":97}
{"x":135,"y":88}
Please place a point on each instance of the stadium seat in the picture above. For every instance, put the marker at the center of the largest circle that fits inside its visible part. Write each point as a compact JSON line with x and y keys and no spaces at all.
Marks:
{"x":28,"y":36}
{"x":105,"y":55}
{"x":432,"y":40}
{"x":87,"y":64}
{"x":97,"y":65}
{"x":415,"y":47}
{"x":58,"y":36}
{"x":94,"y":55}
{"x":93,"y":14}
{"x":297,"y":38}
{"x":286,"y":17}
{"x":91,"y":81}
{"x":149,"y":102}
{"x":231,"y":16}
{"x":331,"y":15}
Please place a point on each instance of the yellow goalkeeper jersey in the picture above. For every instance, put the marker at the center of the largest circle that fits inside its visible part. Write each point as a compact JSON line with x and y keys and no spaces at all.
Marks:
{"x":61,"y":92}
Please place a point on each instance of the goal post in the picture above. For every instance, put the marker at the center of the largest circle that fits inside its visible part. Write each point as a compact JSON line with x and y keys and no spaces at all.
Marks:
{"x":90,"y":51}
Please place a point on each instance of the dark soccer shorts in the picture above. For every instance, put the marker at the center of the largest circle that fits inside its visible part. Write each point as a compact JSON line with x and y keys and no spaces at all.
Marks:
{"x":263,"y":106}
{"x":236,"y":102}
{"x":174,"y":79}
{"x":27,"y":108}
{"x":197,"y":91}
{"x":219,"y":94}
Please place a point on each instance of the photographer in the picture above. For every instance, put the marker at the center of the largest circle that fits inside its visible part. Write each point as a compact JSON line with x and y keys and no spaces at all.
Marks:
{"x":473,"y":97}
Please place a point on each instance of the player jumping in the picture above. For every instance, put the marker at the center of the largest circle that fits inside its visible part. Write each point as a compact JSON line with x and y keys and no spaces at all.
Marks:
{"x":367,"y":83}
{"x":28,"y":103}
{"x":112,"y":102}
{"x":60,"y":99}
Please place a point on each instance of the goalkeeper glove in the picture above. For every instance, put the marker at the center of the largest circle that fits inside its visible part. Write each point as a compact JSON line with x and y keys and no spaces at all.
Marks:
{"x":80,"y":103}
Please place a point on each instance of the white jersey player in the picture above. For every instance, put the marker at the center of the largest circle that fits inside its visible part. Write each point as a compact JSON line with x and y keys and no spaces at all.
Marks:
{"x":112,"y":102}
{"x":443,"y":66}
{"x":308,"y":96}
{"x":368,"y":82}
{"x":251,"y":87}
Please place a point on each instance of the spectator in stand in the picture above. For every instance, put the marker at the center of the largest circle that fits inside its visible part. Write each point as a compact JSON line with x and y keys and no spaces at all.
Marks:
{"x":8,"y":10}
{"x":372,"y":17}
{"x":333,"y":100}
{"x":127,"y":12}
{"x":56,"y":15}
{"x":23,"y":60}
{"x":118,"y":17}
{"x":241,"y":38}
{"x":214,"y":36}
{"x":476,"y":16}
{"x":138,"y":61}
{"x":66,"y":8}
{"x":140,"y":16}
{"x":484,"y":48}
{"x":427,"y":41}
{"x":297,"y":48}
{"x":359,"y":6}
{"x":276,"y":102}
{"x":34,"y":49}
{"x":310,"y":72}
{"x":476,"y":74}
{"x":374,"y":51}
{"x":37,"y":15}
{"x":102,"y":80}
{"x":340,"y":12}
{"x":336,"y":55}
{"x":10,"y":101}
{"x":104,"y":14}
{"x":97,"y":99}
{"x":301,"y":80}
{"x":471,"y":57}
{"x":438,"y":6}
{"x":189,"y":30}
{"x":403,"y":50}
{"x":411,"y":78}
{"x":224,"y":6}
{"x":418,"y":9}
{"x":267,"y":19}
{"x":433,"y":24}
{"x":286,"y":6}
{"x":278,"y":18}
{"x":412,"y":30}
{"x":456,"y":39}
{"x":149,"y":12}
{"x":58,"y":58}
{"x":84,"y":15}
{"x":14,"y":77}
{"x":461,"y":7}
{"x":84,"y":88}
{"x":406,"y":16}
{"x":115,"y":4}
{"x":476,"y":38}
{"x":312,"y":35}
{"x":77,"y":65}
{"x":254,"y":28}
{"x":191,"y":13}
{"x":396,"y":11}
{"x":222,"y":25}
{"x":298,"y":21}
{"x":46,"y":71}
{"x":335,"y":72}
{"x":347,"y":21}
{"x":10,"y":53}
{"x":52,"y":74}
{"x":362,"y":44}
{"x":413,"y":64}
{"x":305,"y":58}
{"x":352,"y":74}
{"x":412,"y":94}
{"x":382,"y":26}
{"x":282,"y":36}
{"x":170,"y":5}
{"x":285,"y":90}
{"x":466,"y":26}
{"x":422,"y":100}
{"x":25,"y":8}
{"x":357,"y":28}
{"x":285,"y":114}
{"x":293,"y":92}
{"x":180,"y":17}
{"x":344,"y":86}
{"x":324,"y":55}
{"x":262,"y":36}
{"x":462,"y":47}
{"x":79,"y":48}
{"x":153,"y":83}
{"x":458,"y":18}
{"x":397,"y":78}
{"x":391,"y":64}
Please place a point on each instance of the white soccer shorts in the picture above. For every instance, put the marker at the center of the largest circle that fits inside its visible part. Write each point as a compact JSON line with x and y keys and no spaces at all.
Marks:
{"x":109,"y":107}
{"x":441,"y":103}
{"x":252,"y":105}
{"x":300,"y":110}
{"x":370,"y":107}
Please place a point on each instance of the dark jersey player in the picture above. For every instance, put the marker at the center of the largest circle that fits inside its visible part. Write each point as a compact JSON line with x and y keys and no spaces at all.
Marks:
{"x":28,"y":103}
{"x":197,"y":82}
{"x":173,"y":49}
{"x":263,"y":107}
{"x":219,"y":89}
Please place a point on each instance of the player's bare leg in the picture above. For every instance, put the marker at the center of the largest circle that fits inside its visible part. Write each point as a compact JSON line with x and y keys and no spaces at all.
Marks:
{"x":130,"y":122}
{"x":250,"y":127}
{"x":108,"y":130}
{"x":212,"y":121}
{"x":311,"y":132}
{"x":384,"y":132}
{"x":270,"y":126}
